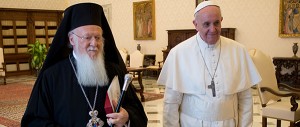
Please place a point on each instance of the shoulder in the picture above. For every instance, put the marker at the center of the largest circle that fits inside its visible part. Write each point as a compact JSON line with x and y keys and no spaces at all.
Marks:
{"x":59,"y":67}
{"x":113,"y":69}
{"x":229,"y":43}
{"x":184,"y":51}
{"x":63,"y":64}
{"x":233,"y":48}
{"x":185,"y":45}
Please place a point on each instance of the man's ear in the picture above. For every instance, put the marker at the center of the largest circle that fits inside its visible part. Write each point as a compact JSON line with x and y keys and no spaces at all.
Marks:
{"x":195,"y":24}
{"x":71,"y":40}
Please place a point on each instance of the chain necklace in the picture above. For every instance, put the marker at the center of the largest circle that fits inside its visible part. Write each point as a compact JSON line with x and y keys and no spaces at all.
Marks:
{"x":212,"y":84}
{"x":94,"y":121}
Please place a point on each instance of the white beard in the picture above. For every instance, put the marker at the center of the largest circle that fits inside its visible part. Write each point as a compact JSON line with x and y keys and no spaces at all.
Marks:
{"x":91,"y":72}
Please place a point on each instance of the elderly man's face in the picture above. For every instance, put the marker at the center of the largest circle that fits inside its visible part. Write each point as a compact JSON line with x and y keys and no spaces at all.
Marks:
{"x":87,"y":40}
{"x":208,"y":23}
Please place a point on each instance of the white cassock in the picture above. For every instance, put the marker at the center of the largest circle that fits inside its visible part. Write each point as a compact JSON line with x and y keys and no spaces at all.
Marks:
{"x":188,"y":101}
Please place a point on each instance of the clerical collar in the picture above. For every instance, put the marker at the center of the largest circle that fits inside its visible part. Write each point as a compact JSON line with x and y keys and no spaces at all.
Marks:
{"x":74,"y":55}
{"x":203,"y":45}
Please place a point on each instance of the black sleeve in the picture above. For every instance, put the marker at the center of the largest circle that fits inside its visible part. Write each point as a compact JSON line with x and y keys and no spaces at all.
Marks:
{"x":135,"y":109}
{"x":37,"y":113}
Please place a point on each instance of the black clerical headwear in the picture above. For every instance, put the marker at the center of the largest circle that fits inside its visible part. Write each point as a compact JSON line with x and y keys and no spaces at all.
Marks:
{"x":75,"y":16}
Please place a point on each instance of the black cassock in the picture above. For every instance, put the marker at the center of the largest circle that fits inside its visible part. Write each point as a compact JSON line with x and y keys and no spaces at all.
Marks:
{"x":58,"y":101}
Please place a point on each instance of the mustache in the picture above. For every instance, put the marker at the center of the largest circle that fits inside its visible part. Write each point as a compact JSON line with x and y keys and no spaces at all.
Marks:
{"x":93,"y":49}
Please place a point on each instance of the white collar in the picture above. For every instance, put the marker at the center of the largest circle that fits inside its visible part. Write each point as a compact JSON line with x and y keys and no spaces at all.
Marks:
{"x":203,"y":45}
{"x":74,"y":55}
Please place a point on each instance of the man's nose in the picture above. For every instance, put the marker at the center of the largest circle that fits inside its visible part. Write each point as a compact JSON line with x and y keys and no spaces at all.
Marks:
{"x":93,"y":42}
{"x":212,"y":28}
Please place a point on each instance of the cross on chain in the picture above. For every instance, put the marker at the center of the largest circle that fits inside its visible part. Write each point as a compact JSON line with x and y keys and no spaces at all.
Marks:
{"x":212,"y":87}
{"x":94,"y":121}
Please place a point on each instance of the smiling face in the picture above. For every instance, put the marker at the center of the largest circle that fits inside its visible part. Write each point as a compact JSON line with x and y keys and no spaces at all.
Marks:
{"x":87,"y":40}
{"x":208,"y":23}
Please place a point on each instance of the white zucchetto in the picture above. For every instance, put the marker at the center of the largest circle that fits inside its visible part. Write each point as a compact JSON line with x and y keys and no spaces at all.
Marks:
{"x":204,"y":4}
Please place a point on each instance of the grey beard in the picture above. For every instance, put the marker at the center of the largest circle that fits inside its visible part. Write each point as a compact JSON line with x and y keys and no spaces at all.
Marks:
{"x":91,"y":72}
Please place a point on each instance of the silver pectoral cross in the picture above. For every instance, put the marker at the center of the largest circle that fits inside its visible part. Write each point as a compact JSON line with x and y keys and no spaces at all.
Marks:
{"x":212,"y":87}
{"x":94,"y":121}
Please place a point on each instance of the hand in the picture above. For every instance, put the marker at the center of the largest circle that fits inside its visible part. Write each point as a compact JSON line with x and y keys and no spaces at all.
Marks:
{"x":118,"y":119}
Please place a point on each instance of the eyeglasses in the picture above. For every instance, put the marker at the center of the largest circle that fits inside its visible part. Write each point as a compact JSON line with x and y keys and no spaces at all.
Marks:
{"x":89,"y":38}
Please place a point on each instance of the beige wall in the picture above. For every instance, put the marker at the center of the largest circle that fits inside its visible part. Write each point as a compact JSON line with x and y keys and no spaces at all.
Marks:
{"x":257,"y":25}
{"x":256,"y":21}
{"x":34,"y":4}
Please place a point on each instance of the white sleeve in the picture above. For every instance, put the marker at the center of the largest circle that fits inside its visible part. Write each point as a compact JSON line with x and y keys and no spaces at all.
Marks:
{"x":172,"y":101}
{"x":245,"y":108}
